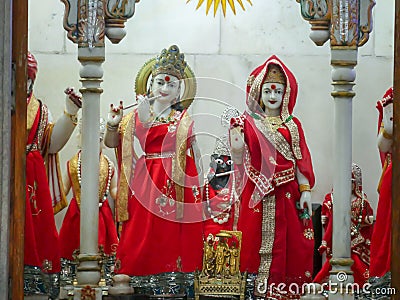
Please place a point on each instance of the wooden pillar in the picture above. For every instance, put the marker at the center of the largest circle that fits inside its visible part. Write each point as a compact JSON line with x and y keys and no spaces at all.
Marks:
{"x":18,"y":146}
{"x":395,"y":263}
{"x":5,"y":143}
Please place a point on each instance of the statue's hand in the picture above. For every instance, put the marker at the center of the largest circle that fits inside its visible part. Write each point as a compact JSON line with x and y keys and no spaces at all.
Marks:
{"x":236,"y":139}
{"x":305,"y":203}
{"x":388,"y":118}
{"x":73,"y":101}
{"x":115,"y":114}
{"x":143,"y":108}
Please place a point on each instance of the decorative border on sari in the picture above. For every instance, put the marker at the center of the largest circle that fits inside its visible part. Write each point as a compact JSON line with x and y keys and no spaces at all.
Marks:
{"x":179,"y":163}
{"x":267,"y":243}
{"x":127,"y":132}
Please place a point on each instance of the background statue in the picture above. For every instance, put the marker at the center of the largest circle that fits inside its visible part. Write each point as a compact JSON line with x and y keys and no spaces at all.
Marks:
{"x":70,"y":229}
{"x":269,"y":150}
{"x":219,"y":189}
{"x":362,"y":218}
{"x":44,"y":189}
{"x":381,"y":238}
{"x":159,"y":200}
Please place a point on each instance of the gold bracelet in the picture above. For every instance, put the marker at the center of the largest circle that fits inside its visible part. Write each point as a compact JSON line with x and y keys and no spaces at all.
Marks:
{"x":73,"y":118}
{"x":386,"y":135}
{"x":304,"y":188}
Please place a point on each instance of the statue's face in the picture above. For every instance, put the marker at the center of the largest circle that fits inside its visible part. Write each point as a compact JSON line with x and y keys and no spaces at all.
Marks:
{"x":272,"y":95}
{"x":221,"y":163}
{"x":166,"y":86}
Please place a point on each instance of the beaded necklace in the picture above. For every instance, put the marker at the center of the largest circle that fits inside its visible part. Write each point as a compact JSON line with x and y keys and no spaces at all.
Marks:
{"x":171,"y":119}
{"x":109,"y":175}
{"x":226,"y":212}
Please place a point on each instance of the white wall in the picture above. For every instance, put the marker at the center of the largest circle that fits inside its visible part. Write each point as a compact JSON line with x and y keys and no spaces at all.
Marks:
{"x":222,"y":52}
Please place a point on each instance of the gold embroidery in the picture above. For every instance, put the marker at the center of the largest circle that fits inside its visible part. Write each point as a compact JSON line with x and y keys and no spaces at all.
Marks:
{"x":73,"y":171}
{"x":103,"y":176}
{"x":179,"y":163}
{"x":127,"y":132}
{"x":308,"y":233}
{"x":32,"y":110}
{"x":250,"y":80}
{"x":276,"y":139}
{"x":267,"y":241}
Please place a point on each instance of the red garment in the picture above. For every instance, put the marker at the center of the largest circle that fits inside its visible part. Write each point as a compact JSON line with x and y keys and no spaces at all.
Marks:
{"x":289,"y":230}
{"x":269,"y":172}
{"x":41,"y":248}
{"x":360,"y":242}
{"x":217,"y":200}
{"x":381,"y":237}
{"x":382,"y":234}
{"x":70,"y":229}
{"x":152,"y":240}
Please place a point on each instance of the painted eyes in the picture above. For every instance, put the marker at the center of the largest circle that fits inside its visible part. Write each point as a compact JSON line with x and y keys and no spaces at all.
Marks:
{"x":162,"y":82}
{"x":219,"y":161}
{"x":268,"y":91}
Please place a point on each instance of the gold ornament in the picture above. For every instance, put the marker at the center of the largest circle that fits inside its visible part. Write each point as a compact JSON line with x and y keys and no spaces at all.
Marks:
{"x":187,"y":79}
{"x":170,"y":62}
{"x":223,"y":4}
{"x":275,"y":74}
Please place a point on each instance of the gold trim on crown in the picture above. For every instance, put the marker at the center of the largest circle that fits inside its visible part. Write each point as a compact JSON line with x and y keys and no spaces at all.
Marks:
{"x":275,"y":74}
{"x":188,"y":80}
{"x":170,"y":62}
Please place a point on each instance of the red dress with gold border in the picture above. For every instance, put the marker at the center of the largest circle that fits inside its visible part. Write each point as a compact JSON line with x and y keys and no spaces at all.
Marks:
{"x":41,"y":244}
{"x":70,"y":229}
{"x":360,"y":240}
{"x":155,"y":239}
{"x":275,"y":243}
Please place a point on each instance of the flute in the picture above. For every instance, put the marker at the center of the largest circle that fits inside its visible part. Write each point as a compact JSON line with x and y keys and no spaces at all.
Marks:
{"x":148,"y":99}
{"x":225,"y":173}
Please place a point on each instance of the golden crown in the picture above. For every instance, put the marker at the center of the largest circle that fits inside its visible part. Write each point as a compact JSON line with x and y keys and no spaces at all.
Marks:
{"x":170,"y":62}
{"x":275,"y":74}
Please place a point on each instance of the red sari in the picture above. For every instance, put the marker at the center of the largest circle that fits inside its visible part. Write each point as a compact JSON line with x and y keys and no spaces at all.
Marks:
{"x":279,"y":248}
{"x":382,"y":234}
{"x":161,"y":233}
{"x":41,"y":248}
{"x":381,"y":237}
{"x":70,"y":229}
{"x":360,"y":239}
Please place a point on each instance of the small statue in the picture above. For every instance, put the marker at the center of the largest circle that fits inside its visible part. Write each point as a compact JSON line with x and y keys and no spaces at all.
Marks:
{"x":361,"y":231}
{"x":209,"y":256}
{"x":220,"y":186}
{"x":222,"y":254}
{"x":234,"y":260}
{"x":70,"y":229}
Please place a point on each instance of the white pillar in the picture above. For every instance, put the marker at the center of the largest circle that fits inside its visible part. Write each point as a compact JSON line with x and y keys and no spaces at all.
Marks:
{"x":343,"y":77}
{"x":91,"y":73}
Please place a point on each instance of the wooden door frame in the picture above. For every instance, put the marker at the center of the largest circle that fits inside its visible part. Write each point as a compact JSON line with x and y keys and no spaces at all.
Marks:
{"x":18,"y":146}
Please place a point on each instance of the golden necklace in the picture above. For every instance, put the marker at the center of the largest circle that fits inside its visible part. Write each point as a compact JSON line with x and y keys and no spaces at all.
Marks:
{"x":273,"y":122}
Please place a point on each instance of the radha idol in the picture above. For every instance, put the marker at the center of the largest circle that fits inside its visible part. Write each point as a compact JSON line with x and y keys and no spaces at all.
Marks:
{"x":269,"y":150}
{"x":158,"y":202}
